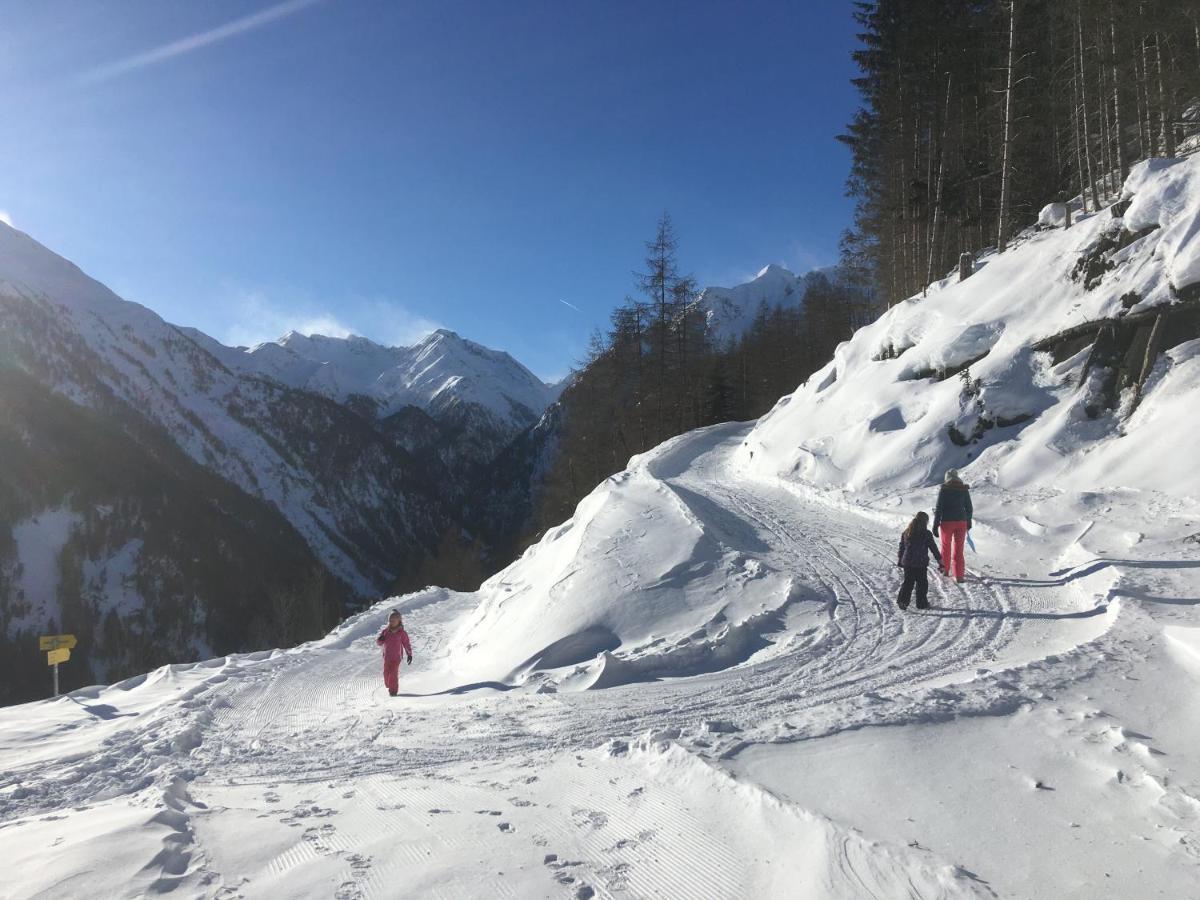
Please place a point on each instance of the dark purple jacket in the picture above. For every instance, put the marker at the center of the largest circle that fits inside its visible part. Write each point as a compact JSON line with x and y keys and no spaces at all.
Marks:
{"x":914,"y":553}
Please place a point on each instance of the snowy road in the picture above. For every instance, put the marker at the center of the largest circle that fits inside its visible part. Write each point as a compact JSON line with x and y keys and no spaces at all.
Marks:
{"x":295,"y":775}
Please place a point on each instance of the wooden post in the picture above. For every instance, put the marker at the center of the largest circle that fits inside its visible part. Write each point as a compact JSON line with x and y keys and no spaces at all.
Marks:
{"x":966,"y":265}
{"x":58,"y":650}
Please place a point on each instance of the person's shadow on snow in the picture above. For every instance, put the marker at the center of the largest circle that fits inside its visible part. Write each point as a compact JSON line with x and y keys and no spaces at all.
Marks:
{"x":101,"y":710}
{"x":958,"y":612}
{"x":1060,"y":577}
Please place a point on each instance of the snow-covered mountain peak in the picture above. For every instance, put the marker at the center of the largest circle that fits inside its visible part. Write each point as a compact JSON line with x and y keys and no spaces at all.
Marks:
{"x":28,"y":267}
{"x":730,"y":311}
{"x":441,"y":334}
{"x":440,"y":371}
{"x":774,"y":272}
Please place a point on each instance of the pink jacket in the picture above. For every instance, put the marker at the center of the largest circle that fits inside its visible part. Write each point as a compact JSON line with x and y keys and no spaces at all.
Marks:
{"x":394,"y":643}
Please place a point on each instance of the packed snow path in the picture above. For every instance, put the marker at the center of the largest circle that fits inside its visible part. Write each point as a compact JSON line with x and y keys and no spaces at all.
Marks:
{"x":293,"y":774}
{"x":336,"y":707}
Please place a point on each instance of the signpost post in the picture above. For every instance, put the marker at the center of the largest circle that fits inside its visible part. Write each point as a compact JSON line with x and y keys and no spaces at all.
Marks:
{"x":58,"y":650}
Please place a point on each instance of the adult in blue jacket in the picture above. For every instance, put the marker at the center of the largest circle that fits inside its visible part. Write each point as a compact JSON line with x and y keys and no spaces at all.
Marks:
{"x":952,"y":518}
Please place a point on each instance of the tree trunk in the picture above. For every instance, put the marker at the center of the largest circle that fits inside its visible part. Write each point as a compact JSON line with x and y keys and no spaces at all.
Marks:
{"x":1165,"y":110}
{"x":1116,"y":96}
{"x":1005,"y":155}
{"x":1106,"y":164}
{"x":1150,"y":149}
{"x":1087,"y":135}
{"x":1075,"y":117}
{"x":1138,"y":110}
{"x":941,"y":177}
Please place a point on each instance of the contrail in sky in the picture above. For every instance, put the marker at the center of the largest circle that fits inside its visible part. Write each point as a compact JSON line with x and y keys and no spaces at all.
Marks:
{"x":572,"y":305}
{"x":197,"y":41}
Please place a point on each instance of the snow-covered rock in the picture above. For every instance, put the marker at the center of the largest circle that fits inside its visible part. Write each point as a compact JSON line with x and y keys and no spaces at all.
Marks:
{"x":1053,"y":215}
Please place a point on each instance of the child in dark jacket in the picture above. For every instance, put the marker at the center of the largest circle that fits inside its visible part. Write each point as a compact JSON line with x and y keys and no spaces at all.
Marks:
{"x":915,"y":546}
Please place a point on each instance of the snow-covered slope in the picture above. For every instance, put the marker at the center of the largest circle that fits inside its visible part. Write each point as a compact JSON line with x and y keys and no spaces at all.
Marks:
{"x":680,"y":691}
{"x":1050,"y":411}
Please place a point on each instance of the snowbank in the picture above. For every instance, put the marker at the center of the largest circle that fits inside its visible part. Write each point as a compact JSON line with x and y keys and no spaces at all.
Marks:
{"x":893,"y":410}
{"x":642,"y":567}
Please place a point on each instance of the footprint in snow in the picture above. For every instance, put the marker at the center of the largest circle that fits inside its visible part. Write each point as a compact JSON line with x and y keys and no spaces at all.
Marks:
{"x":589,"y":818}
{"x":360,"y":865}
{"x":623,"y":844}
{"x":506,"y":828}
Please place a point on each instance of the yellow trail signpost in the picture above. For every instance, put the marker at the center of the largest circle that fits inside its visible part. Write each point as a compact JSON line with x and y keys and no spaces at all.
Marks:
{"x":58,"y":650}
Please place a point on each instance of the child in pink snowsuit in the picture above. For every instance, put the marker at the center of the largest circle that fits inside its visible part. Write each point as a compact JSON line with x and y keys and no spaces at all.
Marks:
{"x":395,"y":644}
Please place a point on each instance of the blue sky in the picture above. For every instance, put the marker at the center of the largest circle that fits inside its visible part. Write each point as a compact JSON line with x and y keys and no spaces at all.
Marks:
{"x":387,"y":167}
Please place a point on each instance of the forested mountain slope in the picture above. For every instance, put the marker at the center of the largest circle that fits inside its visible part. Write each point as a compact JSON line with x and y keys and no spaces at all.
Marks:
{"x":338,"y":493}
{"x":975,"y":115}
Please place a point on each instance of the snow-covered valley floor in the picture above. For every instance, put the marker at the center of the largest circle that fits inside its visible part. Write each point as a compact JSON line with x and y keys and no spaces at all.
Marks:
{"x":1033,"y":735}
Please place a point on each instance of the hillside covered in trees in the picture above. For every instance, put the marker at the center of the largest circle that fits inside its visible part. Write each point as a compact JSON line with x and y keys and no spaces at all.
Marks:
{"x":975,"y":114}
{"x":663,"y":367}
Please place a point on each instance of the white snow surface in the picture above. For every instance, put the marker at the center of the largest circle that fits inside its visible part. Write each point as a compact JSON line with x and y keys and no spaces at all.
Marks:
{"x":700,"y":685}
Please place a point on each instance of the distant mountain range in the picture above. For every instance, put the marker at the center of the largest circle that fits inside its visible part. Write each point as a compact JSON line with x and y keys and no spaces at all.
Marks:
{"x":145,"y":465}
{"x":170,"y":496}
{"x":436,"y":374}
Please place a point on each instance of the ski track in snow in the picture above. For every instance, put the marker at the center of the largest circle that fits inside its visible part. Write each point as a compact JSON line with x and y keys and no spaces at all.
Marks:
{"x":558,"y":791}
{"x":874,"y":649}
